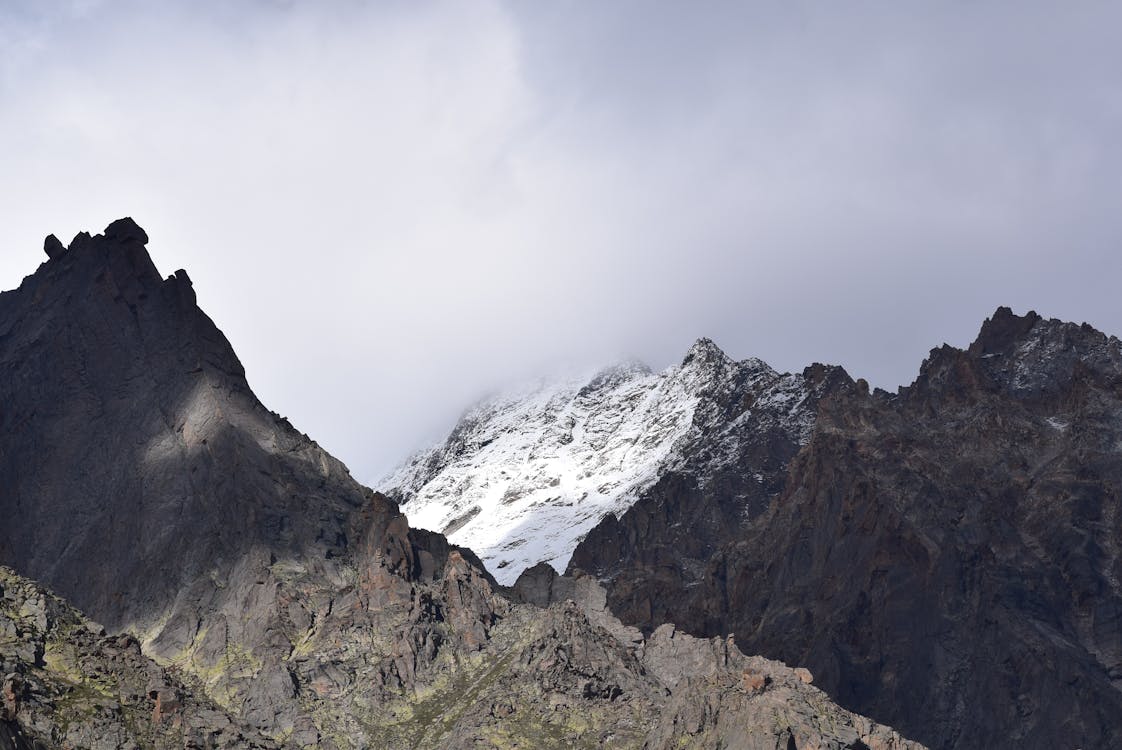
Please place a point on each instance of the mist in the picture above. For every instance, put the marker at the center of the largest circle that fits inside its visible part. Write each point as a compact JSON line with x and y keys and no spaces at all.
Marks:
{"x":392,"y":209}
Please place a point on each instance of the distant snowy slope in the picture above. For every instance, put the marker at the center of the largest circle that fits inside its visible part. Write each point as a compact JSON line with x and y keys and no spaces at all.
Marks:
{"x":524,"y":476}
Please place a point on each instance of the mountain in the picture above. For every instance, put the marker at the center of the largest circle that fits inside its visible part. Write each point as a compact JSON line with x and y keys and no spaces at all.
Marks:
{"x":525,"y":476}
{"x":136,"y":459}
{"x":561,"y":679}
{"x":945,"y":559}
{"x":253,"y":594}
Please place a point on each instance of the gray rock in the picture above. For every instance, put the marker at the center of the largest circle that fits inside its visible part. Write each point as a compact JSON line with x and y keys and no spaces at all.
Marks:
{"x":123,"y":699}
{"x":944,"y":559}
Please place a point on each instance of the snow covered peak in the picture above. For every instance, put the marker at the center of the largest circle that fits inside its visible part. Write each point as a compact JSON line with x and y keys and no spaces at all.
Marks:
{"x":705,"y":352}
{"x":614,"y":376}
{"x":525,"y":475}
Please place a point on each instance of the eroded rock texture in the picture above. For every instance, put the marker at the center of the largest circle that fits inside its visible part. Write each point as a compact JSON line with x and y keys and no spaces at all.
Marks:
{"x":274,"y":599}
{"x":68,"y":684}
{"x":135,"y":459}
{"x":945,"y":559}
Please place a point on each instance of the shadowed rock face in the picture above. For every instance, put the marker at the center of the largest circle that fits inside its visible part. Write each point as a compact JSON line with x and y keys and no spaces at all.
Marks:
{"x":144,"y":481}
{"x":133,"y":455}
{"x":277,"y":601}
{"x":945,"y":559}
{"x":658,"y":552}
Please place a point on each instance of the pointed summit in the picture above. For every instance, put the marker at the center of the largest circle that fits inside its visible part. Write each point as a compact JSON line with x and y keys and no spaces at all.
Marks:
{"x":53,"y":247}
{"x":1003,"y":329}
{"x":121,"y":249}
{"x":124,"y":230}
{"x":704,"y":352}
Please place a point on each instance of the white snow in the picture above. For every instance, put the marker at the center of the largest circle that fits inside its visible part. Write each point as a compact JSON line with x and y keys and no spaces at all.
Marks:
{"x":525,"y":476}
{"x":1057,"y":424}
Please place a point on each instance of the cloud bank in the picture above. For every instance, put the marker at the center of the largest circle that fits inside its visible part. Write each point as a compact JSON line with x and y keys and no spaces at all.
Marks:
{"x":391,"y":208}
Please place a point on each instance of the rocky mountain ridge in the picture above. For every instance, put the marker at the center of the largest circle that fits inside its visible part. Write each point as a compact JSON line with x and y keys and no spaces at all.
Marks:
{"x":923,"y":552}
{"x":569,"y":676}
{"x":945,"y":558}
{"x":275,"y":598}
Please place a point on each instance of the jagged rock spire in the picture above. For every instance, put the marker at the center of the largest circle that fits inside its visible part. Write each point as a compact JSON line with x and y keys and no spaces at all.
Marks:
{"x":53,"y":247}
{"x":704,"y":351}
{"x":1003,"y":329}
{"x":126,"y":229}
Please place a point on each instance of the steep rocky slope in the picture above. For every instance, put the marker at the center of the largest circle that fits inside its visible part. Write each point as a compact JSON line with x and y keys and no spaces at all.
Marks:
{"x":273,"y":597}
{"x":538,"y":679}
{"x":945,"y":559}
{"x":132,"y":440}
{"x":67,"y":684}
{"x":524,"y":476}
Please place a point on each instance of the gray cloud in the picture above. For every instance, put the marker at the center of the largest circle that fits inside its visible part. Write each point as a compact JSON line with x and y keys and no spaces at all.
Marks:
{"x":391,"y":208}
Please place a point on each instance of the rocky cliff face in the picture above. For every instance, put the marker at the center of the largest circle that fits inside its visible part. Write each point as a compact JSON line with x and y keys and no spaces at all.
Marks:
{"x":275,"y":600}
{"x":524,"y":476}
{"x":145,"y":482}
{"x":945,"y":559}
{"x":68,"y":684}
{"x":554,"y":678}
{"x":135,"y":459}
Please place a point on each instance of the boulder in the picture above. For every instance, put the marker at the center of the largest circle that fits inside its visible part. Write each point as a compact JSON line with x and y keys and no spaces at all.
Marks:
{"x":53,"y":247}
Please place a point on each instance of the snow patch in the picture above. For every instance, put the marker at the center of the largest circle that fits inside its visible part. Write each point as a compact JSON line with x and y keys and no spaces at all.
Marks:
{"x":526,"y":475}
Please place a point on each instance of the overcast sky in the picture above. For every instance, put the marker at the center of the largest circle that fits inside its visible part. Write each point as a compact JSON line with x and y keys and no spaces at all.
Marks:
{"x":391,"y":208}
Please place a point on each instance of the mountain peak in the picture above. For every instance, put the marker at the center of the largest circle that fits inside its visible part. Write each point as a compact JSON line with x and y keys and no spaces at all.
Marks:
{"x":144,"y":480}
{"x":704,"y":351}
{"x":1003,"y":329}
{"x":53,"y":247}
{"x":117,"y":261}
{"x":522,"y":479}
{"x":126,"y":230}
{"x":123,"y":231}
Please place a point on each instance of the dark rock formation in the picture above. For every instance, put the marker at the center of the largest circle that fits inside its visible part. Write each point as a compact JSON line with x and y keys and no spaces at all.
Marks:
{"x":945,"y":559}
{"x":559,"y":677}
{"x":178,"y":468}
{"x":541,"y":586}
{"x":144,"y":481}
{"x":53,"y":247}
{"x":275,"y":601}
{"x":125,"y":231}
{"x":658,"y":552}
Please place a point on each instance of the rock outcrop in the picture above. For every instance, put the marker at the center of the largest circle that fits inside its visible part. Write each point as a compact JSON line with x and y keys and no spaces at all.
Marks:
{"x":53,"y":247}
{"x":68,"y":684}
{"x":545,"y":678}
